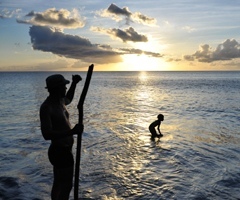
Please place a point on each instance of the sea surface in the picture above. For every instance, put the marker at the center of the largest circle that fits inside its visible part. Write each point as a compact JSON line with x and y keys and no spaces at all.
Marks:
{"x":197,"y":158}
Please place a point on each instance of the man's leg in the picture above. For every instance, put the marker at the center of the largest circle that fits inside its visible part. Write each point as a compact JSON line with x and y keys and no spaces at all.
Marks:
{"x":62,"y":183}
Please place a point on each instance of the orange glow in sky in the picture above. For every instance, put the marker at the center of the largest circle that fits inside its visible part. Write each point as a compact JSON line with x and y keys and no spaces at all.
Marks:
{"x":124,"y":36}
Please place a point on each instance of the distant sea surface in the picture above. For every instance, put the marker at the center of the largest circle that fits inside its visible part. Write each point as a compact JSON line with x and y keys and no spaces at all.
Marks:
{"x":197,"y":158}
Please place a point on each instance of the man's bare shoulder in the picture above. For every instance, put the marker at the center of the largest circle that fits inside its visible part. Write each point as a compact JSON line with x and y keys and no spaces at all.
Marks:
{"x":46,"y":105}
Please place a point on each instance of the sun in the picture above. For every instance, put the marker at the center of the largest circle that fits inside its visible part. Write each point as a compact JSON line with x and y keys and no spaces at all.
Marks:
{"x":144,"y":63}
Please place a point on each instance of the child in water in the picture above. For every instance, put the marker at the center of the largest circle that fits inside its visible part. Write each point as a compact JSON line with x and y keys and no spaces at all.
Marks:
{"x":154,"y":124}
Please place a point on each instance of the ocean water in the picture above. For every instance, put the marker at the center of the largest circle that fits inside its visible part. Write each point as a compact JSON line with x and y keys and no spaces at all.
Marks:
{"x":197,"y":158}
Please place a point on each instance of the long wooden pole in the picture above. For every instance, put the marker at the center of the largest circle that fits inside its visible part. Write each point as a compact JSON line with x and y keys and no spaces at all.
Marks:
{"x":79,"y":137}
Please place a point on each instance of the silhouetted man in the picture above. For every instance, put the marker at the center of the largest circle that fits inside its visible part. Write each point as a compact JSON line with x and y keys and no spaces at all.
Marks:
{"x":55,"y":126}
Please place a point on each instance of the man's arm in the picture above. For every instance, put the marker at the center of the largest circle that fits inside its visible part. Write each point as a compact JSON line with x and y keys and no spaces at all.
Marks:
{"x":71,"y":91}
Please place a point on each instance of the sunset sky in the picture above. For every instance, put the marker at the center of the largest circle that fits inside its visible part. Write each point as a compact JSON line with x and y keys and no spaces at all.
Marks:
{"x":128,"y":35}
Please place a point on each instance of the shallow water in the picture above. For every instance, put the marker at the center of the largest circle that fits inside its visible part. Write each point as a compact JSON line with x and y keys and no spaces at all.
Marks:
{"x":197,"y":158}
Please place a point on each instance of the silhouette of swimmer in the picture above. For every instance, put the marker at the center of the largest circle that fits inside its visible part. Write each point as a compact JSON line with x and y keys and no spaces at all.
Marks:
{"x":157,"y":124}
{"x":55,"y":126}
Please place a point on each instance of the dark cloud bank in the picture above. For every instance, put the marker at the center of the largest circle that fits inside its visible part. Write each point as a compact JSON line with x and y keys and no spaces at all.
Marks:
{"x":50,"y":40}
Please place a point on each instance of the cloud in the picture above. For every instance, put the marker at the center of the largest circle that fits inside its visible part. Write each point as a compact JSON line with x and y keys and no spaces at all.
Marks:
{"x":143,"y":19}
{"x":5,"y":13}
{"x":228,"y":50}
{"x":139,"y":52}
{"x":119,"y":11}
{"x":125,"y":35}
{"x":49,"y":40}
{"x":57,"y":18}
{"x":118,"y":14}
{"x":174,"y":60}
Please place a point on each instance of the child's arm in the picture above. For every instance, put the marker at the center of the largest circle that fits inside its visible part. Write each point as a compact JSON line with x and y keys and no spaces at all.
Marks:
{"x":159,"y":127}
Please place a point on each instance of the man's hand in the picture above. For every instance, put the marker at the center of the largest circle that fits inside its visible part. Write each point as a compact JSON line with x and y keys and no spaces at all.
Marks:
{"x":76,"y":78}
{"x":77,"y":129}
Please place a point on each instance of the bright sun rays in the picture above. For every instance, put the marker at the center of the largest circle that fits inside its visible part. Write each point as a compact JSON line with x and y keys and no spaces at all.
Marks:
{"x":144,"y":63}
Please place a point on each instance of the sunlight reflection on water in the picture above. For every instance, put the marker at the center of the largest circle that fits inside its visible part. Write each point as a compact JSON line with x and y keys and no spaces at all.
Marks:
{"x":119,"y":161}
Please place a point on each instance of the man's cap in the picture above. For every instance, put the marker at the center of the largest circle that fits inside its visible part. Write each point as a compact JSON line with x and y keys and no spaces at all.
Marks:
{"x":55,"y":81}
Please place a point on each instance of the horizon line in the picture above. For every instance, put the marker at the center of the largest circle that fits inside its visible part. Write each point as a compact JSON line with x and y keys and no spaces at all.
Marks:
{"x":237,"y":70}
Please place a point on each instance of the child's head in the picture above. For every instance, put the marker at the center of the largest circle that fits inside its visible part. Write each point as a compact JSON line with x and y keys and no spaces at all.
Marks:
{"x":160,"y":117}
